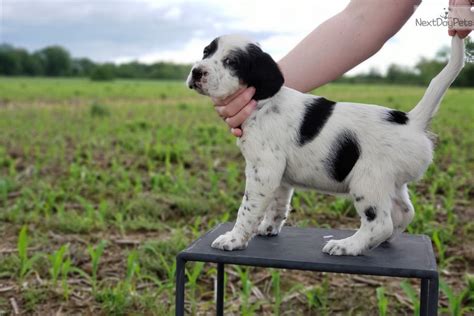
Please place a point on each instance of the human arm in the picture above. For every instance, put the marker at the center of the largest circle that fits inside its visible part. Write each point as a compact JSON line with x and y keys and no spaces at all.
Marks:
{"x":334,"y":47}
{"x":343,"y":41}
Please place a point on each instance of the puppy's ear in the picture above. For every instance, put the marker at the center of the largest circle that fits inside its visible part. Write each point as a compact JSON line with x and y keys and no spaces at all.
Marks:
{"x":264,"y":73}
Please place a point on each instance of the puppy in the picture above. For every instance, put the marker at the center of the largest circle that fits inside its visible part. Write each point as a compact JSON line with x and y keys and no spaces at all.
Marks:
{"x":366,"y":152}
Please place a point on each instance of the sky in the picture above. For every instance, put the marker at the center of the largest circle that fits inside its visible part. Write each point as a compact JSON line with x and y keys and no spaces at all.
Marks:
{"x":178,"y":30}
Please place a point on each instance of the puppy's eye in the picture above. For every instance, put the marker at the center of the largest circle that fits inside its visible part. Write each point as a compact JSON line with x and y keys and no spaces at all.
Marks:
{"x":230,"y":62}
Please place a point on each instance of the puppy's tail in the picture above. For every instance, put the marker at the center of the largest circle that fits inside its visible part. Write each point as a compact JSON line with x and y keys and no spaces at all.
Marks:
{"x":428,"y":106}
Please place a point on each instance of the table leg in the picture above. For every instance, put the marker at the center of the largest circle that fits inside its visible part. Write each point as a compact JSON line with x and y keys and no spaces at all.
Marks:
{"x":433,"y":297}
{"x":220,"y":290}
{"x":180,"y":285}
{"x":424,"y":297}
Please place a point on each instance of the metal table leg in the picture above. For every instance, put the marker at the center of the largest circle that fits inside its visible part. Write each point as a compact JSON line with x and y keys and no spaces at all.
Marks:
{"x":429,"y":297}
{"x":220,"y":290}
{"x":424,"y":297}
{"x":180,"y":284}
{"x":433,"y":297}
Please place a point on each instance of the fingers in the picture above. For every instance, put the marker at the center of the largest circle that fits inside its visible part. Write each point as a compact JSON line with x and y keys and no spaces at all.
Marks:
{"x":463,"y":33}
{"x":237,"y":132}
{"x":223,"y":102}
{"x":231,"y":106}
{"x":460,"y":33}
{"x":239,"y":118}
{"x":457,"y":9}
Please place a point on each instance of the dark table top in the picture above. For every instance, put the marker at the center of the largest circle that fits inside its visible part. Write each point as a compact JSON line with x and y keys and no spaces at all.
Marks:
{"x":301,"y":248}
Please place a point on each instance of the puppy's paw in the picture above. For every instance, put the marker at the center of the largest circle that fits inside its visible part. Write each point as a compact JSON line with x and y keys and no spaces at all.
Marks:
{"x":229,"y":241}
{"x":343,"y":247}
{"x":268,"y":229}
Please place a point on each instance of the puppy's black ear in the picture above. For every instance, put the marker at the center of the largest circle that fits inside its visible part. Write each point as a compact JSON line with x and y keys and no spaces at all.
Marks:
{"x":263,"y":74}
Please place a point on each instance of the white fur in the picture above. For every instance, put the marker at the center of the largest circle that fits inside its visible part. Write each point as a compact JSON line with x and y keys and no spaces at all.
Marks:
{"x":391,"y":156}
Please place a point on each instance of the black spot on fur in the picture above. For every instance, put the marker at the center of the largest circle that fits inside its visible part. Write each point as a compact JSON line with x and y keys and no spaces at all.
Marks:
{"x":359,"y":198}
{"x":210,"y":49}
{"x":370,"y":213}
{"x":257,"y":69}
{"x":397,"y":117}
{"x":316,"y":115}
{"x":269,"y":229}
{"x":344,"y":155}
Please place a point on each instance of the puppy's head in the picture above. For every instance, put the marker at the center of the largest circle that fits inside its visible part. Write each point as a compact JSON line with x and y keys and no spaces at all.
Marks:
{"x":230,"y":62}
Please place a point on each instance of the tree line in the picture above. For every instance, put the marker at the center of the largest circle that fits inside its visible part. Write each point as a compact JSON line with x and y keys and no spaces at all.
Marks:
{"x":55,"y":61}
{"x":425,"y":70}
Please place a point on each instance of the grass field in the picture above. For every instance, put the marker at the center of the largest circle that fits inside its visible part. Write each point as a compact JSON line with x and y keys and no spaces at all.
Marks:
{"x":101,"y":184}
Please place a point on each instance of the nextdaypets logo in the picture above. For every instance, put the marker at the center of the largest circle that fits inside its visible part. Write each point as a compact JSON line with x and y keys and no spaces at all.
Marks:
{"x":460,"y":17}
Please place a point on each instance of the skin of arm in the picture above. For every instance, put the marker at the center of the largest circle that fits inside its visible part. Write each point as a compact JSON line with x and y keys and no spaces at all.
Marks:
{"x":344,"y":41}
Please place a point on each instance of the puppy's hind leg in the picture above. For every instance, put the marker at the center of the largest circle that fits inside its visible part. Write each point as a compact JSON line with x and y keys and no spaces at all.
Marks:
{"x":277,"y":212}
{"x":402,"y":211}
{"x":373,"y":204}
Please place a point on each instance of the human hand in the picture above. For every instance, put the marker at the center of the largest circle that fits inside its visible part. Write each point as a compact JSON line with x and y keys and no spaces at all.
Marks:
{"x":460,"y":13}
{"x":236,"y":108}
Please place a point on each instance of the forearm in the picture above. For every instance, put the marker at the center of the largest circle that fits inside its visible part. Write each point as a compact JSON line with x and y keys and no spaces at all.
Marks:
{"x":344,"y":41}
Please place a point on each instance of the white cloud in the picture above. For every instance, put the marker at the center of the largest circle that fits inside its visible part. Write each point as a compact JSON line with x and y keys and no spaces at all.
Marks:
{"x":191,"y":52}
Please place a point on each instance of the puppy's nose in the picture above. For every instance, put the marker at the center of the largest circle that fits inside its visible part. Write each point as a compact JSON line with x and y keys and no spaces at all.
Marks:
{"x":197,"y":73}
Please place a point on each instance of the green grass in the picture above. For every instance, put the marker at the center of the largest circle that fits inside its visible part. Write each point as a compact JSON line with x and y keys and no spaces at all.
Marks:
{"x":110,"y":180}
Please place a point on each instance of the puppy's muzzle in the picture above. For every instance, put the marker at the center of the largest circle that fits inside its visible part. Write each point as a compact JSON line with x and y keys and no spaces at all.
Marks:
{"x":197,"y":75}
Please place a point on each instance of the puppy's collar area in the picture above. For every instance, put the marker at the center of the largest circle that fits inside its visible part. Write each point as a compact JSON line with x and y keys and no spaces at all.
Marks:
{"x":264,"y":102}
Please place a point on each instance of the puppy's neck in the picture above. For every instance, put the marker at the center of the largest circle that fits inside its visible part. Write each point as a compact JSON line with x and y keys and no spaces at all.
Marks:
{"x":267,"y":101}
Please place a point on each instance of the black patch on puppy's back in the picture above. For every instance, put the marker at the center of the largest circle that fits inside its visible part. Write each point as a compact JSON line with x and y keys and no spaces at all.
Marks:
{"x":398,"y":117}
{"x":344,"y":154}
{"x":317,"y":113}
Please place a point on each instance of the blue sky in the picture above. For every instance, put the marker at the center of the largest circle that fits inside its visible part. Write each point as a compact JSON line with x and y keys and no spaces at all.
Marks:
{"x":177,"y":30}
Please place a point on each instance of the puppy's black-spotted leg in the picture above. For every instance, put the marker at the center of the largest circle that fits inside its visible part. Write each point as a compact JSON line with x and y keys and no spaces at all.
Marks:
{"x":277,"y":212}
{"x":261,"y":182}
{"x":373,"y":203}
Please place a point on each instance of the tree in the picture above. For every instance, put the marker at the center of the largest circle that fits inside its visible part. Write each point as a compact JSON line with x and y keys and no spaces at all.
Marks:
{"x":82,"y":67}
{"x":10,"y":64}
{"x":56,"y":61}
{"x":103,"y":72}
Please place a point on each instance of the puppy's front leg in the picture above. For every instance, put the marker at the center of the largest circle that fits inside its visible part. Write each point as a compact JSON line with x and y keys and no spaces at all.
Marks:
{"x":261,"y":182}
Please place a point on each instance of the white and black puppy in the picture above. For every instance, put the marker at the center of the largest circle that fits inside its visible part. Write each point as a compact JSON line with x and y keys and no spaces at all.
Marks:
{"x":366,"y":152}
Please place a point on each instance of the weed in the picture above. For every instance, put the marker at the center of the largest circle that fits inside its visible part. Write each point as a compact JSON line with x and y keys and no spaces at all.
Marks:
{"x":382,"y":301}
{"x":96,"y":253}
{"x":56,"y":260}
{"x":317,"y":297}
{"x":412,"y":295}
{"x":26,"y":263}
{"x":193,"y":275}
{"x":276,"y":291}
